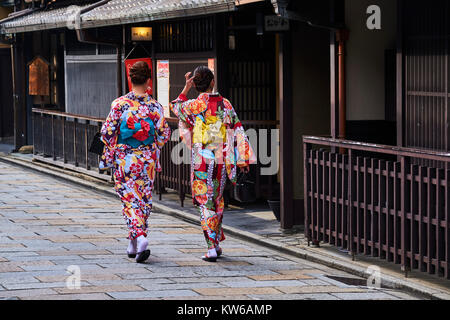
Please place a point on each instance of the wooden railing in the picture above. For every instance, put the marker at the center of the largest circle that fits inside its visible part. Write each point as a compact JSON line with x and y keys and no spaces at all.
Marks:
{"x":381,"y":203}
{"x":177,"y":176}
{"x":63,"y":139}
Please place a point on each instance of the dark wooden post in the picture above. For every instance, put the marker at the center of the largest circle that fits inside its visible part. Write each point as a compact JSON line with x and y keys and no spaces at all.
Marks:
{"x":286,"y":132}
{"x":19,"y":89}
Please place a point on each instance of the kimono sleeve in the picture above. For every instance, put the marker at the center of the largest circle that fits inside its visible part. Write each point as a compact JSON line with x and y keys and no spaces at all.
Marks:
{"x":182,"y":108}
{"x":162,"y":129}
{"x":109,"y":135}
{"x":243,"y":150}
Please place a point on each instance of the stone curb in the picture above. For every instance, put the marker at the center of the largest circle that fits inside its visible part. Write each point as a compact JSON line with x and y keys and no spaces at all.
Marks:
{"x":388,"y":281}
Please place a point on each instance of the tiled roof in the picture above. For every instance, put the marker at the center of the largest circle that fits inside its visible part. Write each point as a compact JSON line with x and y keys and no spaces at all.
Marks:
{"x":39,"y":20}
{"x":128,"y":11}
{"x":117,"y":12}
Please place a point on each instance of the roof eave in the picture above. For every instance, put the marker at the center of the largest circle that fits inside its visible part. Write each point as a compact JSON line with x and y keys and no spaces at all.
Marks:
{"x":191,"y":12}
{"x":96,"y":22}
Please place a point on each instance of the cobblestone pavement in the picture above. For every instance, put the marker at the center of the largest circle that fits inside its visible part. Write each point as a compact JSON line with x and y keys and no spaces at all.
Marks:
{"x":47,"y":225}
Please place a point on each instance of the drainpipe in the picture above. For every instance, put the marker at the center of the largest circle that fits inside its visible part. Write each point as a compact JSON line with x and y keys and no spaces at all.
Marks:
{"x":93,"y":6}
{"x":341,"y":37}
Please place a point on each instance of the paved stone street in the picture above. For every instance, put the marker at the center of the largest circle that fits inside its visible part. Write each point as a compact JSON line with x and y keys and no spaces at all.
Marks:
{"x":47,"y":225}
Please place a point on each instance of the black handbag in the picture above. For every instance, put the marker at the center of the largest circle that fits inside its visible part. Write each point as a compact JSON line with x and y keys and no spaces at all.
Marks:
{"x":244,"y":190}
{"x":97,"y":145}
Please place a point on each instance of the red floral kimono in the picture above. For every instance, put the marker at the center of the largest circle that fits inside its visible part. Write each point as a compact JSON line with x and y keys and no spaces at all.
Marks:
{"x":134,"y":132}
{"x":210,"y":126}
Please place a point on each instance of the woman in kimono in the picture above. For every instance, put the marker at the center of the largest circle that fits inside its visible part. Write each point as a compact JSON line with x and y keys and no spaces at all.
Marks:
{"x":134,"y":132}
{"x":210,"y":127}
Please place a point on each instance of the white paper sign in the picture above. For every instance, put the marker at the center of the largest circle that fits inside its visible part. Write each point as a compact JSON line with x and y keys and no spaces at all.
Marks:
{"x":276,"y":23}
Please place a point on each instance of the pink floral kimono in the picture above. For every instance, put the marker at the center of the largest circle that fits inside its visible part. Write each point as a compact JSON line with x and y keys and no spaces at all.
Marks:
{"x":134,"y":132}
{"x":210,"y":127}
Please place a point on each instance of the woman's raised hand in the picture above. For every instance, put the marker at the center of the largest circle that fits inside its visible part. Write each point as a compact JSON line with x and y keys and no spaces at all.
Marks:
{"x":189,"y":83}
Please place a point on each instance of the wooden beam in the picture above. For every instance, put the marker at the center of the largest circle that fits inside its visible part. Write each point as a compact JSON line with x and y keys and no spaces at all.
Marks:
{"x":286,"y":132}
{"x":19,"y":91}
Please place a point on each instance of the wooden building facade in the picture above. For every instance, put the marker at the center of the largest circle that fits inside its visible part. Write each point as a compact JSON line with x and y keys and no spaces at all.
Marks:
{"x":384,"y":192}
{"x":6,"y":96}
{"x":87,"y":70}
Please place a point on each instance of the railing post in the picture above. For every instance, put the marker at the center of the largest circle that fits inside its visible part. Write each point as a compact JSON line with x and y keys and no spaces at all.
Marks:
{"x":404,"y":163}
{"x":350,"y":205}
{"x":42,"y":134}
{"x":75,"y":121}
{"x":34,"y":116}
{"x":447,"y":224}
{"x":64,"y":138}
{"x":53,"y":138}
{"x":86,"y":143}
{"x":99,"y":126}
{"x":306,"y":188}
{"x":159,"y":185}
{"x":180,"y":183}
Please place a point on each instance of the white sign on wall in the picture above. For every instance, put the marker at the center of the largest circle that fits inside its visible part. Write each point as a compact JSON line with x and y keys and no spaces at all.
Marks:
{"x":163,"y":87}
{"x":276,"y":23}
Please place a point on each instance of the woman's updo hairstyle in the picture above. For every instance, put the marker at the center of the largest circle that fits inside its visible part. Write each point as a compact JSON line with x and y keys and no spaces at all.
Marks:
{"x":139,"y":73}
{"x":202,"y":78}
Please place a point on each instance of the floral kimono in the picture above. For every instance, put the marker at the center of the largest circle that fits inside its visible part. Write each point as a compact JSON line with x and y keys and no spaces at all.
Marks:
{"x":134,"y":132}
{"x":210,"y":127}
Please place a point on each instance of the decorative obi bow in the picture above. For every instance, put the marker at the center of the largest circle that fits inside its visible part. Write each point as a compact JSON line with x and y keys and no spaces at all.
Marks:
{"x":135,"y":131}
{"x":209,"y":131}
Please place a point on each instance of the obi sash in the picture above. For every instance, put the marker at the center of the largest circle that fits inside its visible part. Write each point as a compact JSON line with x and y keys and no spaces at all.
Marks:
{"x":135,"y":131}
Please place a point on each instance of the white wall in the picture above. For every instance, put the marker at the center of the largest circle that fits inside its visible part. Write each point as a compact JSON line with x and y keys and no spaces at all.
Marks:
{"x":365,"y":58}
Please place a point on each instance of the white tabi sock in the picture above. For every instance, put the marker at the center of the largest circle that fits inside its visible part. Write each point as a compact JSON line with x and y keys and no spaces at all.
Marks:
{"x":142,"y":244}
{"x":212,"y":253}
{"x":132,"y":246}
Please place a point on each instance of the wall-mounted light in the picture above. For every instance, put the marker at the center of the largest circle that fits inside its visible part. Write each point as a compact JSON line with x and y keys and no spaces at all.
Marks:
{"x":141,"y":34}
